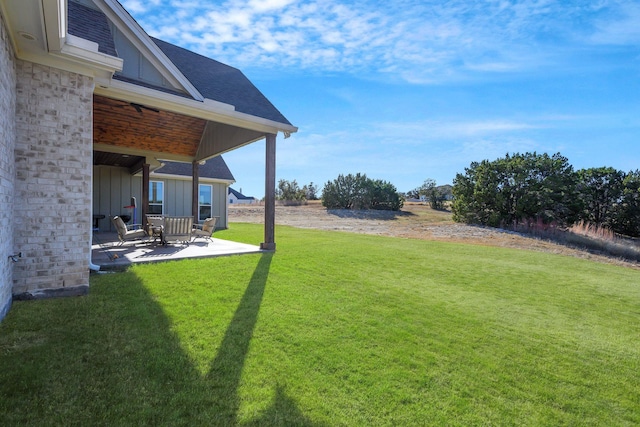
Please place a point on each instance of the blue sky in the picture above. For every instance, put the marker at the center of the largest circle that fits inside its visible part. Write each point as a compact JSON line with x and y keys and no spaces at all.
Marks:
{"x":415,"y":89}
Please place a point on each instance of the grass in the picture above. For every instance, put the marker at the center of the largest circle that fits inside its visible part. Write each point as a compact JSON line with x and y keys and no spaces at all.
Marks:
{"x":333,"y":329}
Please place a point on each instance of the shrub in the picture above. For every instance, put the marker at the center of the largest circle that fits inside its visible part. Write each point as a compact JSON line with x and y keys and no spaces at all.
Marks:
{"x":289,"y":191}
{"x":359,"y":192}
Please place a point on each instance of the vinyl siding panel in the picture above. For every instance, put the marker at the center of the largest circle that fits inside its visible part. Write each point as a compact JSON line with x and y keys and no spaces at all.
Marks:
{"x":113,"y":189}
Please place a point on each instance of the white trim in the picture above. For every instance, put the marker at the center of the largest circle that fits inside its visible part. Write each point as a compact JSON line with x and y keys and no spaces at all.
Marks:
{"x":141,"y":40}
{"x":69,"y":47}
{"x":228,"y":182}
{"x":210,"y":203}
{"x":155,"y":204}
{"x":208,"y":110}
{"x":55,"y":23}
{"x":83,"y":51}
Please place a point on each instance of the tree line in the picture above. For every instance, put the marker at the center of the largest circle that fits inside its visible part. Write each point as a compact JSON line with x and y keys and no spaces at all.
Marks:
{"x":506,"y":192}
{"x":524,"y":187}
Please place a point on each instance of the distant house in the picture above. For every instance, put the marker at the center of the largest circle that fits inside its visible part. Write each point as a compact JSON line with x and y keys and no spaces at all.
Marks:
{"x":90,"y":108}
{"x":170,"y":188}
{"x":235,"y":197}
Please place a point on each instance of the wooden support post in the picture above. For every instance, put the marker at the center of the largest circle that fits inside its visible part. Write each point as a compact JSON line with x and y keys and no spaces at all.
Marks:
{"x":195,"y":190}
{"x":270,"y":195}
{"x":144,"y":203}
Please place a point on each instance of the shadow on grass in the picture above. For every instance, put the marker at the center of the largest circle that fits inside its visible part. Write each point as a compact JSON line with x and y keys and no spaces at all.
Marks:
{"x":111,"y":358}
{"x":383,"y":215}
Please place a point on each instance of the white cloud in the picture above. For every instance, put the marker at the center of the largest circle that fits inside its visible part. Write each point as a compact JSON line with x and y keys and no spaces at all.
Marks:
{"x":429,"y":130}
{"x":620,"y":27}
{"x":419,"y":41}
{"x":134,"y":6}
{"x":268,"y":5}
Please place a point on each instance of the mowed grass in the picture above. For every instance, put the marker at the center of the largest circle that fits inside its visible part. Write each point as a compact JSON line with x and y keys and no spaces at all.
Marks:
{"x":333,"y":329}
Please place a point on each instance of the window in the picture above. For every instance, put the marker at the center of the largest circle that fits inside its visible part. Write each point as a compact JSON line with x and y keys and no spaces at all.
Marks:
{"x":156,"y":197}
{"x":204,"y":201}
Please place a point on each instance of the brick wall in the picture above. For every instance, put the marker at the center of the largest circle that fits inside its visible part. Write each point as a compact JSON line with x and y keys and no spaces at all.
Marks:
{"x":7,"y":171}
{"x":53,"y":161}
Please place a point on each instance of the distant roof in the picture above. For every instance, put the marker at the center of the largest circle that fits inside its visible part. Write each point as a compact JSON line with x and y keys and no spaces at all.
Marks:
{"x":213,"y":79}
{"x":214,"y":168}
{"x":239,"y":195}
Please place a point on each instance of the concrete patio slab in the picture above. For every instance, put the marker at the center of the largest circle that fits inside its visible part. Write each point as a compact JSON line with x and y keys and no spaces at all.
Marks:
{"x":106,"y":252}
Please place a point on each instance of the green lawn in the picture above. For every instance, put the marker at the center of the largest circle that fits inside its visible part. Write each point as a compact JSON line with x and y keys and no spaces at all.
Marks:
{"x":333,"y":329}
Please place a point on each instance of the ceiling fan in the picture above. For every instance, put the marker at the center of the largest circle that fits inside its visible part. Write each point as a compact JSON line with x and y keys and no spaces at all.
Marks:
{"x":140,"y":107}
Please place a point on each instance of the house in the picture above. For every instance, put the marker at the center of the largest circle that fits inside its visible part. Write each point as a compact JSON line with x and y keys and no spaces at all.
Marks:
{"x":83,"y":88}
{"x":235,"y":197}
{"x":169,"y":191}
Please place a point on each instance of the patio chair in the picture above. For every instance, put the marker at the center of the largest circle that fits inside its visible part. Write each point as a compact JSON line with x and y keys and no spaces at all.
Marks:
{"x":206,"y":229}
{"x":128,"y":232}
{"x":177,"y":228}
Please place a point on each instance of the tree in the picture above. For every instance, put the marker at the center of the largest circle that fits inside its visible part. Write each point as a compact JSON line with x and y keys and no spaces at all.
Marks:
{"x":290,"y":191}
{"x":516,"y":188}
{"x":627,"y":212}
{"x":359,"y":192}
{"x":344,"y":192}
{"x":311,"y":191}
{"x":432,"y":193}
{"x":599,"y":191}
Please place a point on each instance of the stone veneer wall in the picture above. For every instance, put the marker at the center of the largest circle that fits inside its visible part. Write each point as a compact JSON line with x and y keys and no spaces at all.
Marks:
{"x":53,"y":161}
{"x":7,"y":171}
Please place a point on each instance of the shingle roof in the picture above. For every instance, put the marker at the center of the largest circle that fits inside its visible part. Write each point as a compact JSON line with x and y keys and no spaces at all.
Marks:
{"x":239,"y":195}
{"x":213,"y":79}
{"x":92,"y":25}
{"x":215,"y":168}
{"x":220,"y":82}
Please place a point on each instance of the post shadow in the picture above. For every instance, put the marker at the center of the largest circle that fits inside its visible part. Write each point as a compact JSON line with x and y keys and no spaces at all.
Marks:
{"x":130,"y":345}
{"x":226,"y":368}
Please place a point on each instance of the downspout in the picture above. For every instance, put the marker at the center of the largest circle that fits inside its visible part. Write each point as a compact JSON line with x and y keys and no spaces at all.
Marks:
{"x":92,"y":266}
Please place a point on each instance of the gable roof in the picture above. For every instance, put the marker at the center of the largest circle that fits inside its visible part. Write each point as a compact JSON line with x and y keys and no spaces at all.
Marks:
{"x":92,"y":25}
{"x":221,"y":82}
{"x":239,"y":195}
{"x":214,"y":168}
{"x":212,"y":79}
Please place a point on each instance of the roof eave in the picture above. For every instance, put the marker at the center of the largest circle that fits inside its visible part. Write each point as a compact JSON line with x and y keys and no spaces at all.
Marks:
{"x":208,"y":109}
{"x":188,"y":178}
{"x":52,"y":45}
{"x":117,"y":14}
{"x":86,"y":52}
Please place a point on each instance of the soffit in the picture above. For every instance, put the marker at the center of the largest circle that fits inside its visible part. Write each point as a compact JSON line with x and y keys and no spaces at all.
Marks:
{"x":101,"y":158}
{"x":25,"y":24}
{"x":128,"y":125}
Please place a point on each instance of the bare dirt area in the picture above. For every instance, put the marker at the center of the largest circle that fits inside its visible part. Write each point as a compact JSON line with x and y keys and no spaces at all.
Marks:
{"x":414,"y":221}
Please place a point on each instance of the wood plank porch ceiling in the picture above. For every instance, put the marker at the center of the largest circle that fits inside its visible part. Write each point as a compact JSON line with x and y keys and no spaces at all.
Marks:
{"x":124,"y":124}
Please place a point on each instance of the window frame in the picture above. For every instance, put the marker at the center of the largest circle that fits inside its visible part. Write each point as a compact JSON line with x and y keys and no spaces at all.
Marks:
{"x":201,"y":204}
{"x":152,"y":203}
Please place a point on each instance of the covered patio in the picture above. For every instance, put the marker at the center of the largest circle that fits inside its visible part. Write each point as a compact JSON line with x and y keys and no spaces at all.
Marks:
{"x":109,"y":255}
{"x":170,"y":104}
